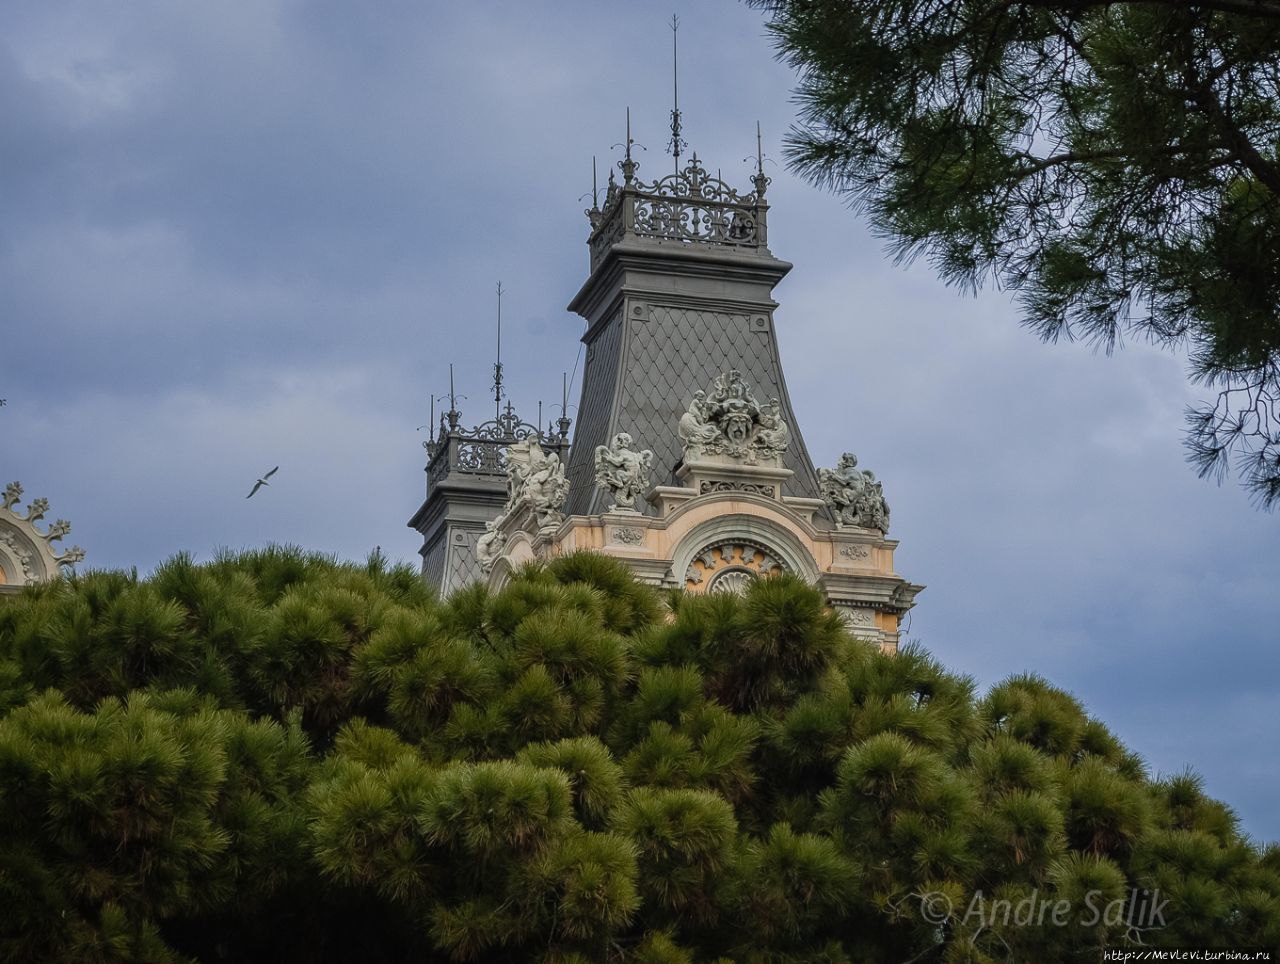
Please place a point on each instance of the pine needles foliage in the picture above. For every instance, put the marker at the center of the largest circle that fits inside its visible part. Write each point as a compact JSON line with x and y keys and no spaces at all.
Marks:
{"x":277,"y":756}
{"x":1112,"y":163}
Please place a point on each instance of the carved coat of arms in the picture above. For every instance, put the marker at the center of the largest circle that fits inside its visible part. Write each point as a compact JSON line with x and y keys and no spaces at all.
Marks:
{"x":728,"y":420}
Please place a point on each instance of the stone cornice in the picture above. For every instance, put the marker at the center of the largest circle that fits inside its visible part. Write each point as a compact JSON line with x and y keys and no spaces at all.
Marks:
{"x":626,"y":259}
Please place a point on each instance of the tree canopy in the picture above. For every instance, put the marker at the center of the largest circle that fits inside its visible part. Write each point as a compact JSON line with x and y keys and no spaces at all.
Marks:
{"x":274,"y":756}
{"x":1113,"y":162}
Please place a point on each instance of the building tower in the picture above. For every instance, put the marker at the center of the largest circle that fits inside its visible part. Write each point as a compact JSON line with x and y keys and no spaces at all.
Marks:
{"x":467,"y":487}
{"x":680,"y":291}
{"x":686,"y":462}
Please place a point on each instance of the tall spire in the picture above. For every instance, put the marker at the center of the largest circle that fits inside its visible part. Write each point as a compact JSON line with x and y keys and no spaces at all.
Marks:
{"x":677,"y":144}
{"x":627,"y":165}
{"x":760,"y":182}
{"x":497,"y":363}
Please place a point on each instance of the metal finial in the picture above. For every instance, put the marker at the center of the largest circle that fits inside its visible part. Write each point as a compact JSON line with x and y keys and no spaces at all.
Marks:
{"x":758,"y":179}
{"x":627,"y":165}
{"x":563,"y":422}
{"x":593,"y":213}
{"x":437,"y":432}
{"x":453,"y":414}
{"x":497,"y":364}
{"x":677,"y":144}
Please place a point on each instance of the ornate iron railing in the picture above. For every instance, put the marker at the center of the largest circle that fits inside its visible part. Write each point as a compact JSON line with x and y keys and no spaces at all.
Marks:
{"x":482,"y":451}
{"x":690,"y":207}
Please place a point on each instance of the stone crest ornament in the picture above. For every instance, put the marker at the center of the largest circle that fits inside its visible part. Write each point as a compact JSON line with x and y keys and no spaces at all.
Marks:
{"x":623,"y":470}
{"x":729,"y":421}
{"x":27,"y":554}
{"x":628,"y":536}
{"x":854,"y":495}
{"x":535,"y":481}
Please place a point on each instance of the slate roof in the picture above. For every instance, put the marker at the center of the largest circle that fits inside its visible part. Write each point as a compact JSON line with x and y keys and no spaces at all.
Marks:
{"x":666,"y":355}
{"x":594,"y":425}
{"x":464,"y":569}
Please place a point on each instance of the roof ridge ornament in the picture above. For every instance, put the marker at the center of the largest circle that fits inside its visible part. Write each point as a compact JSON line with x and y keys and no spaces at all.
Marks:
{"x":759,"y":181}
{"x":627,"y":165}
{"x":677,"y":143}
{"x":497,"y":364}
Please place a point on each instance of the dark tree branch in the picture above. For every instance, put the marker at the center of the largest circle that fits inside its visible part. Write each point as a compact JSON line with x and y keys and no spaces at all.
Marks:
{"x":1265,"y":9}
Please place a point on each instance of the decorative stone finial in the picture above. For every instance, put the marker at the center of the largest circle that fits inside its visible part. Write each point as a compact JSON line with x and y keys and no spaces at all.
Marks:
{"x":623,"y":470}
{"x":729,"y":421}
{"x":854,"y":495}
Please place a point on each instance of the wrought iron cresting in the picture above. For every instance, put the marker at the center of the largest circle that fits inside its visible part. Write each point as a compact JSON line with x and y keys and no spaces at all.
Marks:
{"x":482,"y":450}
{"x":688,"y":207}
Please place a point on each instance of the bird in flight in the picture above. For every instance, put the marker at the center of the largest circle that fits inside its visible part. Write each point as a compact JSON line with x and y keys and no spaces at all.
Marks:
{"x":261,"y":482}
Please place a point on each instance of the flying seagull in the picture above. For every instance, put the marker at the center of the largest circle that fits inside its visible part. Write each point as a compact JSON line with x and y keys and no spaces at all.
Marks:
{"x":261,"y":482}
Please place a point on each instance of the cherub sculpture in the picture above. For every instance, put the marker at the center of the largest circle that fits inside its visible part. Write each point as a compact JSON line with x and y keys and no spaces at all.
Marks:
{"x":623,"y":470}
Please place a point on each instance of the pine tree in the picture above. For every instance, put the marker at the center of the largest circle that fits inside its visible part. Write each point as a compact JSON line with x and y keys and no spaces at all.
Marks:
{"x":1113,"y":162}
{"x":275,"y":756}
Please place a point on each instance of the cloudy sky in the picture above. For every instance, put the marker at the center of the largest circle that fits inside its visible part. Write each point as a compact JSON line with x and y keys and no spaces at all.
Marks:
{"x":242,"y":234}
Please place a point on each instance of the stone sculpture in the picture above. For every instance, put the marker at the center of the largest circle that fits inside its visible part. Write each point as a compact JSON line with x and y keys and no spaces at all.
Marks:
{"x":773,"y":436}
{"x":623,"y":470}
{"x":535,"y":481}
{"x":489,"y":546}
{"x":696,"y":429}
{"x":729,"y":421}
{"x":854,"y":495}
